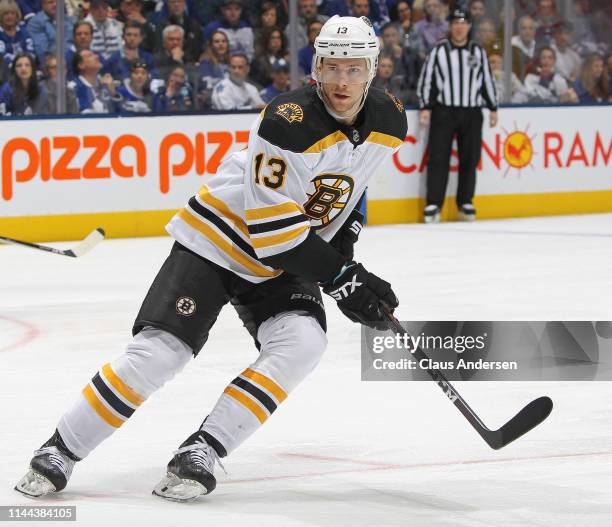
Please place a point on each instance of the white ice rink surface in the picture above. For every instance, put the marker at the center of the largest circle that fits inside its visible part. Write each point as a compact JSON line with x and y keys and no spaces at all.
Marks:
{"x":339,"y":451}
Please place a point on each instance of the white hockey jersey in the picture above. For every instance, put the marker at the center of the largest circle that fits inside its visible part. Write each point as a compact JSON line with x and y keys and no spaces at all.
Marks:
{"x":301,"y":171}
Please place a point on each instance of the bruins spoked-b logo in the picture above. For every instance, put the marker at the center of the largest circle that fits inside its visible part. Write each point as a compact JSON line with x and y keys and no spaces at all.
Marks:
{"x":328,"y":194}
{"x":185,"y":306}
{"x":291,"y":111}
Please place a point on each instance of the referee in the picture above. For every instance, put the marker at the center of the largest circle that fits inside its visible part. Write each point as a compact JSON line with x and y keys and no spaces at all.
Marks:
{"x":454,"y":81}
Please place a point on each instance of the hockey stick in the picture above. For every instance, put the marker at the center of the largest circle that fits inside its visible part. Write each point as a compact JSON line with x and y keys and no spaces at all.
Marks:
{"x":86,"y":245}
{"x":529,"y":417}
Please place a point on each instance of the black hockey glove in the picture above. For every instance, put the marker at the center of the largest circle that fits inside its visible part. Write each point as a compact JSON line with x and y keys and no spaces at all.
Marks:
{"x":348,"y":235}
{"x":361,"y":295}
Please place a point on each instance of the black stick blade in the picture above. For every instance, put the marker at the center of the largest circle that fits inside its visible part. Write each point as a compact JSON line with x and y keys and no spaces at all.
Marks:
{"x":529,"y":417}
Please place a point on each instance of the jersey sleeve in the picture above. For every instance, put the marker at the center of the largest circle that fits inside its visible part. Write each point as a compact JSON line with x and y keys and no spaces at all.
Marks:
{"x":275,"y":189}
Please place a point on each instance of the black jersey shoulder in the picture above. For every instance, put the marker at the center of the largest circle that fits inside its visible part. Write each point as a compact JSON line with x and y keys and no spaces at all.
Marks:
{"x":385,"y":114}
{"x":296,"y":120}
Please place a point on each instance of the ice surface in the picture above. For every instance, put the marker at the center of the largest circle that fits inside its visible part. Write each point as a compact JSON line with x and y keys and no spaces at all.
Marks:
{"x":339,"y":451}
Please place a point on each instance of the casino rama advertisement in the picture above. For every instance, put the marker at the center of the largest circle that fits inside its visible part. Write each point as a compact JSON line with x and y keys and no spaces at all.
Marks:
{"x":61,"y":178}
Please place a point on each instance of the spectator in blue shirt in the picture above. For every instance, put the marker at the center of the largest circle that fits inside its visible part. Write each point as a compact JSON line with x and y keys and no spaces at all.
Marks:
{"x":14,"y":37}
{"x":305,"y":54}
{"x":239,"y":33}
{"x":82,"y":37}
{"x":22,"y":94}
{"x":135,"y":92}
{"x":94,"y":94}
{"x":29,"y":8}
{"x":280,"y":81}
{"x":42,"y":29}
{"x":593,"y":85}
{"x":119,"y":64}
{"x":177,"y":95}
{"x":213,"y":68}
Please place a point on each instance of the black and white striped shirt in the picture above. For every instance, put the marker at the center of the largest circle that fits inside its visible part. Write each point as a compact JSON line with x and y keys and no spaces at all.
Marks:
{"x":457,"y":76}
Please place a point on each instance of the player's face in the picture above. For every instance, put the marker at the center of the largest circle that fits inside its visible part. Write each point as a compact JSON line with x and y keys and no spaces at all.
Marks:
{"x":343,"y":82}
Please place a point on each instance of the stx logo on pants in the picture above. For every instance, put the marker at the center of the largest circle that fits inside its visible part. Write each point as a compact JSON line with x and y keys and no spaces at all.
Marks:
{"x":346,"y":289}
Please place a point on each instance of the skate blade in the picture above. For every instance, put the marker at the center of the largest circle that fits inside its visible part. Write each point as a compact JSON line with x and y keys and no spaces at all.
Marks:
{"x":432,"y":219}
{"x":34,"y":485}
{"x":174,"y":488}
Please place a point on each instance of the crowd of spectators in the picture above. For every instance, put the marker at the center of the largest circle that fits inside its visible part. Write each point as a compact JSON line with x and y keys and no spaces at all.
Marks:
{"x":142,"y":56}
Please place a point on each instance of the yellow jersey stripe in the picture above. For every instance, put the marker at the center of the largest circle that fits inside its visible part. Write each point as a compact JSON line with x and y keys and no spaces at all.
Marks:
{"x":278,"y":239}
{"x":267,"y":383}
{"x":247,"y":402}
{"x":222,"y":207}
{"x":100,"y":409}
{"x":121,"y":387}
{"x":225,"y":246}
{"x":264,"y":213}
{"x":326,"y":142}
{"x":384,"y":139}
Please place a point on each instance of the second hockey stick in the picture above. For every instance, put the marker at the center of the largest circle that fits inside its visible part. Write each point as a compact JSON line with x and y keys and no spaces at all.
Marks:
{"x":529,"y":417}
{"x":84,"y":246}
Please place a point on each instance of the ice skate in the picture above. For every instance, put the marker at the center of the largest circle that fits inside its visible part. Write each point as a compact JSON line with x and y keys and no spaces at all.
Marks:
{"x":50,"y":469}
{"x":467,"y":212}
{"x":431,"y":214}
{"x":190,"y":471}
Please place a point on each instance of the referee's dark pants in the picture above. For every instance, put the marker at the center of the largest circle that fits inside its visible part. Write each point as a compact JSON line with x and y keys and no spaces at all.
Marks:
{"x":446,"y":121}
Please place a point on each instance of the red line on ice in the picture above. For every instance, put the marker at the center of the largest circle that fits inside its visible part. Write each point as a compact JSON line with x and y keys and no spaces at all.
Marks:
{"x":30,"y":333}
{"x":380,"y":465}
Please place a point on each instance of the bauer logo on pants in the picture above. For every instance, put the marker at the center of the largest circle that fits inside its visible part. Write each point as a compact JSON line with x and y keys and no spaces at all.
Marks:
{"x":185,"y":306}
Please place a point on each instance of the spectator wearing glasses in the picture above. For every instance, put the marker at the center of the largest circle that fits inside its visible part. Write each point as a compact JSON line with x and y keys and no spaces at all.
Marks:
{"x":50,"y":84}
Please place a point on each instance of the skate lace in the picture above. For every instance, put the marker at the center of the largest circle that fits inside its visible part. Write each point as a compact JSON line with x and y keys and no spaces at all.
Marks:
{"x":204,"y":455}
{"x":57,"y":459}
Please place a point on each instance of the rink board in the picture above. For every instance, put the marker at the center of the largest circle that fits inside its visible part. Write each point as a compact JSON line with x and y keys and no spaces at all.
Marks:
{"x":63,"y":177}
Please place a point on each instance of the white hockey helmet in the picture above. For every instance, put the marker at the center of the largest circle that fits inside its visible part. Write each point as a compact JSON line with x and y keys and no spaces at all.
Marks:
{"x":345,"y":37}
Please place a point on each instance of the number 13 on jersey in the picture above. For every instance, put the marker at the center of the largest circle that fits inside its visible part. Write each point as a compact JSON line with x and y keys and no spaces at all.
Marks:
{"x":276,"y":177}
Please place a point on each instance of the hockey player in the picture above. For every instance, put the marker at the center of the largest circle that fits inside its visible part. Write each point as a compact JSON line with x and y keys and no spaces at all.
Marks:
{"x":277,"y":220}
